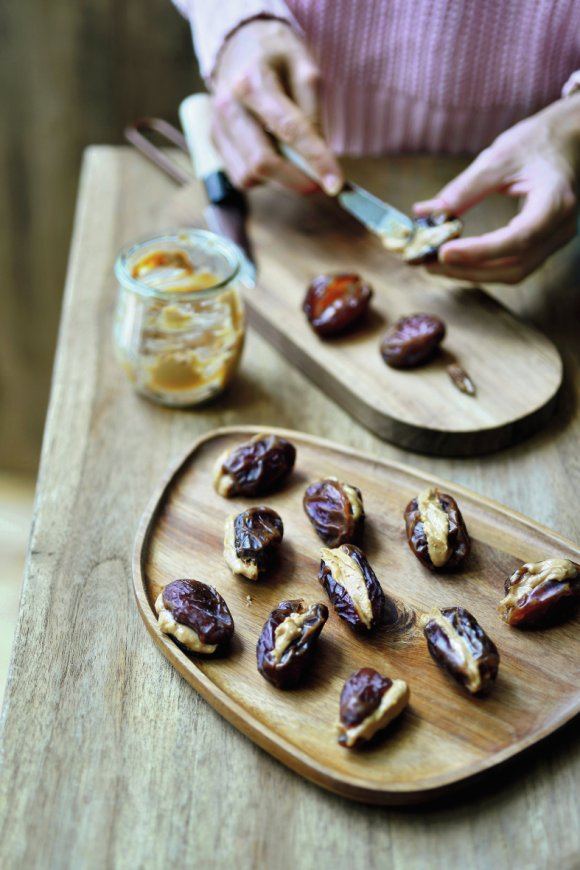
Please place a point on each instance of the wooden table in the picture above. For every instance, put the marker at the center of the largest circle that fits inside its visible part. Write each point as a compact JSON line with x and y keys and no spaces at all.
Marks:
{"x":110,"y":758}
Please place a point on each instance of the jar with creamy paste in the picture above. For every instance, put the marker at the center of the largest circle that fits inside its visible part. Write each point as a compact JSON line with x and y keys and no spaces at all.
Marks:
{"x":179,"y":322}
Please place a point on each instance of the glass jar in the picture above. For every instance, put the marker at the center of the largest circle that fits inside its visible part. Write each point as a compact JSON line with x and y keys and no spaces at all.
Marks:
{"x":179,"y":323}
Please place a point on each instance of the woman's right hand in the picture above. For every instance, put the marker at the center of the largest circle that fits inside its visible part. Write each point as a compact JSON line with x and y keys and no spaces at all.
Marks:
{"x":265,"y":82}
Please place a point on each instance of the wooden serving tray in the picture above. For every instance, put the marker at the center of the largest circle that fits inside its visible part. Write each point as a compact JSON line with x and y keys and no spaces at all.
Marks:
{"x":445,"y":736}
{"x":516,"y":369}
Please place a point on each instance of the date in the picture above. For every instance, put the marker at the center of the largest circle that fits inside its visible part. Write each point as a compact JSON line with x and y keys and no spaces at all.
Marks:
{"x":429,"y":234}
{"x":460,"y":646}
{"x":195,"y":614}
{"x":256,"y":467}
{"x":334,"y":303}
{"x":368,"y":702}
{"x":336,"y":511}
{"x":436,"y":532}
{"x":352,"y":586}
{"x":288,"y":641}
{"x":250,"y":540}
{"x":412,"y":341}
{"x":540,"y":593}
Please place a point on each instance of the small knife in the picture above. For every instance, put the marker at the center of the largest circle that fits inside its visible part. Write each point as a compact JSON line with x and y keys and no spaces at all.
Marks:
{"x":227,"y":210}
{"x":394,"y":228}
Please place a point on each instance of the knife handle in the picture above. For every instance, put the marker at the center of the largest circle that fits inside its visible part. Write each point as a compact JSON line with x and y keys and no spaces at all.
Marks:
{"x":195,"y":116}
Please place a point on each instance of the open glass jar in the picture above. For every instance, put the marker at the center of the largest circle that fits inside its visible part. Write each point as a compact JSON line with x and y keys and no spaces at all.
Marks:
{"x":179,"y":322}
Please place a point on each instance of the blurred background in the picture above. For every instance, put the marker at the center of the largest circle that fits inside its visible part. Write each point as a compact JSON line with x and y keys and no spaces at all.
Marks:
{"x":71,"y":74}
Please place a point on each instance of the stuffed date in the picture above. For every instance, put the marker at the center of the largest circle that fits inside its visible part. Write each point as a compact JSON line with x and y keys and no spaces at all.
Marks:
{"x":368,"y":702}
{"x":436,"y":531}
{"x":195,"y":614}
{"x":250,"y":540}
{"x":352,"y":586}
{"x":288,"y":640}
{"x":335,"y":510}
{"x":255,"y":467}
{"x":459,"y":645}
{"x":539,"y":593}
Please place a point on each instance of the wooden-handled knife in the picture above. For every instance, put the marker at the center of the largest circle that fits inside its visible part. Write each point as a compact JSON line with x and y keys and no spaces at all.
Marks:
{"x":227,"y":211}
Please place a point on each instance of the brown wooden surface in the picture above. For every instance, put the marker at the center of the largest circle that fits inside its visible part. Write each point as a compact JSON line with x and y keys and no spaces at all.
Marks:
{"x":109,"y":757}
{"x":445,"y":736}
{"x":297,"y":238}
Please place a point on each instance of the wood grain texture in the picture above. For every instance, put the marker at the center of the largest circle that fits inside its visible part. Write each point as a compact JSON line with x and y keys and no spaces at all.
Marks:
{"x":109,"y":758}
{"x":445,"y":737}
{"x":297,"y":238}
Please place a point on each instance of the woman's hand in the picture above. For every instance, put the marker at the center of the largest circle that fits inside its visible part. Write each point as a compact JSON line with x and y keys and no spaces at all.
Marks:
{"x":538,"y":160}
{"x":265,"y":83}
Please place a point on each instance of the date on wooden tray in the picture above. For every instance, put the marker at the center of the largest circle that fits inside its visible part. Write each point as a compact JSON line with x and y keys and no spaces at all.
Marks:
{"x":442,"y":643}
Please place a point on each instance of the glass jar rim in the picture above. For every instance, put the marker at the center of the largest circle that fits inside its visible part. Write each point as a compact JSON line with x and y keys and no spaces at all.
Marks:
{"x":228,"y":250}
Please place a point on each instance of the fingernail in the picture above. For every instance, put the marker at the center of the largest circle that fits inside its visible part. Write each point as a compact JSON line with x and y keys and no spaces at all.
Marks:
{"x":451,"y":257}
{"x":332,"y":184}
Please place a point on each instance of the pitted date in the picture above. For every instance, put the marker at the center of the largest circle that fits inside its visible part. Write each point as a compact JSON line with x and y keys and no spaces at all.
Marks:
{"x":436,"y":531}
{"x":255,"y":467}
{"x":412,"y":340}
{"x":368,"y":702}
{"x":334,"y":303}
{"x":250,"y":540}
{"x":459,"y":645}
{"x":195,"y":614}
{"x":352,"y":586}
{"x":336,"y":511}
{"x":540,"y":593}
{"x":429,"y":234}
{"x":288,"y":640}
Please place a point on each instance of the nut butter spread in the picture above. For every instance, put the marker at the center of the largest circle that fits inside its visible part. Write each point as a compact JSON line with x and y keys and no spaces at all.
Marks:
{"x":181,"y":337}
{"x":288,"y":631}
{"x":533,"y":574}
{"x":436,"y":524}
{"x":391,"y":705}
{"x":182,"y":633}
{"x":346,"y":572}
{"x":354,"y":499}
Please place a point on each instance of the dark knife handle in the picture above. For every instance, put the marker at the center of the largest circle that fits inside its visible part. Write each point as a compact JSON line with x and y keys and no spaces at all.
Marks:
{"x":220,"y":191}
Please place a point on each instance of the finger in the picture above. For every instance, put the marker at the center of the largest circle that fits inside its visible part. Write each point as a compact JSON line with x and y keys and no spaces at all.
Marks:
{"x":509,"y":270}
{"x":304,"y":82}
{"x":262,"y":93}
{"x":544,"y":210}
{"x":481,"y":178}
{"x":249,"y":152}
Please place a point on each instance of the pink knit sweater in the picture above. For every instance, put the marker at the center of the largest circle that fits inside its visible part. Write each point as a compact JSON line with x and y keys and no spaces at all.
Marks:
{"x":417,"y":75}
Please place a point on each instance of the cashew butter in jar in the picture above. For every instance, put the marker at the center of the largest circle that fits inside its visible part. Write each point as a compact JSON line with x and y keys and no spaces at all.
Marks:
{"x":179,"y":323}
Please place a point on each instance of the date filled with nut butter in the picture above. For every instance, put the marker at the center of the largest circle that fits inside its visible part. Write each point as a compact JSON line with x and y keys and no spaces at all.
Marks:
{"x":256,"y":467}
{"x":540,"y":593}
{"x":460,"y":646}
{"x":353,"y":587}
{"x":288,"y":640}
{"x":195,"y":615}
{"x":335,"y":510}
{"x":436,"y":532}
{"x":369,"y":701}
{"x":251,"y":539}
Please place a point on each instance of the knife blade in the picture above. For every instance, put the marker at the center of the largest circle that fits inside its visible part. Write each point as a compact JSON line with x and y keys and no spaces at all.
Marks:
{"x":393,"y":226}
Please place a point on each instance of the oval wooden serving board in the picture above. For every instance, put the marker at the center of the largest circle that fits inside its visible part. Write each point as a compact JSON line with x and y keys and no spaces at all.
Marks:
{"x":516,"y":369}
{"x":445,"y":736}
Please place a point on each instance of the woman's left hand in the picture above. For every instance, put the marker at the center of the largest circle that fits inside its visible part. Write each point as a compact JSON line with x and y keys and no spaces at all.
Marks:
{"x":538,"y":160}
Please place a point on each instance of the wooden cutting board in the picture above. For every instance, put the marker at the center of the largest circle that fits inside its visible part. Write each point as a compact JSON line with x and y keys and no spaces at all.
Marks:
{"x":516,"y":369}
{"x":445,"y":737}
